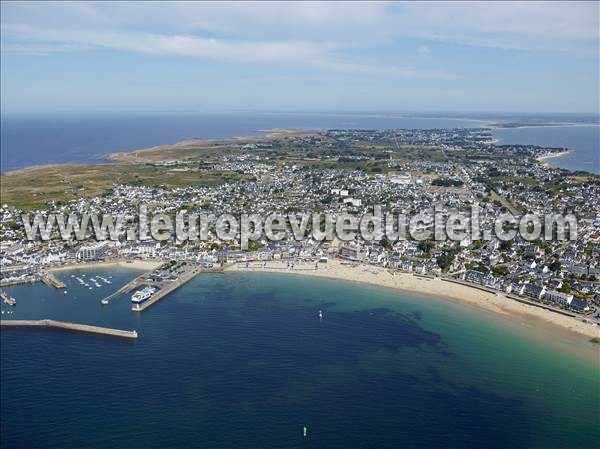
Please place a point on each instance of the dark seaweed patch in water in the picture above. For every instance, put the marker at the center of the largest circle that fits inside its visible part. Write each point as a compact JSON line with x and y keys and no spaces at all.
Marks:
{"x":297,"y":369}
{"x":417,"y":315}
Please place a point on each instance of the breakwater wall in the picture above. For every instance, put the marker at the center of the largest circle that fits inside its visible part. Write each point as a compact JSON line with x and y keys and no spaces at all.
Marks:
{"x":69,"y":326}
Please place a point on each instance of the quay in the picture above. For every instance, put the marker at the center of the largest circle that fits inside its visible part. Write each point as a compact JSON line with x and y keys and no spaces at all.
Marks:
{"x":50,"y":280}
{"x":139,"y":281}
{"x":125,"y":289}
{"x":166,"y":290}
{"x":166,"y":279}
{"x":24,"y":280}
{"x":69,"y":326}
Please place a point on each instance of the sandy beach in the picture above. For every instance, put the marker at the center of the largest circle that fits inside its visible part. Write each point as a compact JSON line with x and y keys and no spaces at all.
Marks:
{"x":434,"y":287}
{"x":146,"y":265}
{"x":335,"y":269}
{"x":543,"y":159}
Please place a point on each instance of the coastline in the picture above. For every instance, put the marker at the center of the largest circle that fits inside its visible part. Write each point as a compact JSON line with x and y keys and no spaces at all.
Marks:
{"x":137,"y":155}
{"x":146,"y":265}
{"x":406,"y":282}
{"x":496,"y":125}
{"x":543,"y":158}
{"x":31,"y":168}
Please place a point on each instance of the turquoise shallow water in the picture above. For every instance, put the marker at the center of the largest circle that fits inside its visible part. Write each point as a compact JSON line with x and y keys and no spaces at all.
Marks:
{"x":243,"y":360}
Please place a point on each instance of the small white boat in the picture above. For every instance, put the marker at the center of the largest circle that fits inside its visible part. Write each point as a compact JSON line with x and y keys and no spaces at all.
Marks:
{"x":320,"y":314}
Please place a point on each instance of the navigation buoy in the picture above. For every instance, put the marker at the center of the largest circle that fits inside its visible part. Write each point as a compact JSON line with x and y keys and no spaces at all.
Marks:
{"x":305,"y":432}
{"x":320,"y":314}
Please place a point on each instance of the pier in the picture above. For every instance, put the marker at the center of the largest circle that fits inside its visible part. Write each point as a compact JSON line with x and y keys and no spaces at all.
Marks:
{"x":166,"y":290}
{"x":69,"y":326}
{"x":50,"y":280}
{"x":141,"y":280}
{"x":138,"y":281}
{"x":24,"y":280}
{"x":166,"y":278}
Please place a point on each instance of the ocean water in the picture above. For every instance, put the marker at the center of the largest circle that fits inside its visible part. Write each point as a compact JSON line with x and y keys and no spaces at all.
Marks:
{"x":27,"y":141}
{"x":242,"y":360}
{"x":582,"y":140}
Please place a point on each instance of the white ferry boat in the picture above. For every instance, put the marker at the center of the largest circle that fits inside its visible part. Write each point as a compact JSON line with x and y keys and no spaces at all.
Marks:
{"x":142,"y":295}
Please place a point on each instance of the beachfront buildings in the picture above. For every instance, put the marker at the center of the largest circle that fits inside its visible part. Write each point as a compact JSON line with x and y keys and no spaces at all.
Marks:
{"x":558,"y":297}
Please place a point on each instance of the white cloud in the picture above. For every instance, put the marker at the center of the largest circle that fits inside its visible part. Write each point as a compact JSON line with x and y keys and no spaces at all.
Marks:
{"x":318,"y":34}
{"x":41,"y":49}
{"x":184,"y":45}
{"x":319,"y":55}
{"x":468,"y":22}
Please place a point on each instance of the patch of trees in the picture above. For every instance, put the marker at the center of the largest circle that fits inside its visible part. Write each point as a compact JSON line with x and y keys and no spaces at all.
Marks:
{"x":554,"y":265}
{"x":444,"y":182}
{"x":566,"y":288}
{"x":426,"y":246}
{"x":500,"y":270}
{"x":445,"y":259}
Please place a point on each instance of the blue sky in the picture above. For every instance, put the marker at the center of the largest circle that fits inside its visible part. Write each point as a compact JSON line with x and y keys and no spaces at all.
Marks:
{"x":103,"y":57}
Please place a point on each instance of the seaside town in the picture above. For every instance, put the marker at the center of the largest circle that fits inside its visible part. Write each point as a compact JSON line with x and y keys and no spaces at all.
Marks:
{"x":308,"y":224}
{"x":350,"y":171}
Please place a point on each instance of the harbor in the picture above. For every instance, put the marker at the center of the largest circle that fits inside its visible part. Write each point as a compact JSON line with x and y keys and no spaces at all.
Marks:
{"x":69,"y":326}
{"x":139,"y":290}
{"x":156,"y":284}
{"x":27,"y":275}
